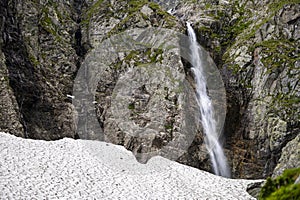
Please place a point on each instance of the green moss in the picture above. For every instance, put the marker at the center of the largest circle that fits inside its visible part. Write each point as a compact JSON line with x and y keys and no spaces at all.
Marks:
{"x":136,"y":5}
{"x":129,"y":14}
{"x":131,"y":106}
{"x":154,"y":6}
{"x":99,"y":6}
{"x":121,"y":26}
{"x":272,"y":9}
{"x":286,"y":193}
{"x":133,"y":55}
{"x":226,"y":33}
{"x":208,"y":6}
{"x":278,"y":53}
{"x":290,"y":104}
{"x":58,"y":10}
{"x":275,"y":55}
{"x":168,"y":126}
{"x":145,"y":17}
{"x":157,"y":9}
{"x":169,"y":19}
{"x":155,"y":55}
{"x":282,"y":187}
{"x":279,"y":4}
{"x":48,"y":25}
{"x":93,"y":9}
{"x":134,"y":13}
{"x":33,"y":60}
{"x":242,"y":23}
{"x":142,"y":57}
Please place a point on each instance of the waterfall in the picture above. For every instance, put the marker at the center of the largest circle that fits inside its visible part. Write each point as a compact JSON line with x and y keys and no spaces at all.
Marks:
{"x":217,"y":156}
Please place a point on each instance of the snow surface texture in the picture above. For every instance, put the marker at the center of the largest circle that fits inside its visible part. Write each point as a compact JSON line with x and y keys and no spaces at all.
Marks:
{"x":78,"y":169}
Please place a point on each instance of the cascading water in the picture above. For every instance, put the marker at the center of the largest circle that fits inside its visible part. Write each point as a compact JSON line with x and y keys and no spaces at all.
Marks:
{"x":212,"y":143}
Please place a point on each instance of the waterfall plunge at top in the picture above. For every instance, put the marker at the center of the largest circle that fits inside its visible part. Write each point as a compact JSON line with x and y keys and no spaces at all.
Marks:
{"x":213,"y":146}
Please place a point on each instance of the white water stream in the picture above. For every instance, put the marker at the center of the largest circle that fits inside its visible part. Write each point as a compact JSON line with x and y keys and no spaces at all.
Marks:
{"x":217,"y":156}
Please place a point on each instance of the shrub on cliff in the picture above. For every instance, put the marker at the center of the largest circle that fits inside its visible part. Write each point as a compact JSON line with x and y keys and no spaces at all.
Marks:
{"x":282,"y":187}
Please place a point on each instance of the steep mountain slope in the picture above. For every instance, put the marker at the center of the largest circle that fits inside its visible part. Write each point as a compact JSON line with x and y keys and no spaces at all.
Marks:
{"x":255,"y":45}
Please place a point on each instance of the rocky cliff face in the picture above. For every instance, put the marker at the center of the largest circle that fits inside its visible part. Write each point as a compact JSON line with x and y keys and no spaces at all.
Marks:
{"x":254,"y":44}
{"x":38,"y":40}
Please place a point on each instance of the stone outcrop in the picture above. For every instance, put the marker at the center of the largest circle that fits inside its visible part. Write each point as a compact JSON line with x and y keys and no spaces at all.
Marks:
{"x":255,"y":45}
{"x":8,"y":104}
{"x":256,"y":49}
{"x":266,"y":62}
{"x":143,"y":99}
{"x":40,"y":58}
{"x":289,"y":157}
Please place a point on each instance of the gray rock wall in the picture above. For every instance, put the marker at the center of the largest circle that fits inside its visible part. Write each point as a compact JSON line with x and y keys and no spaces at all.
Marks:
{"x":10,"y":115}
{"x":40,"y":57}
{"x":255,"y":45}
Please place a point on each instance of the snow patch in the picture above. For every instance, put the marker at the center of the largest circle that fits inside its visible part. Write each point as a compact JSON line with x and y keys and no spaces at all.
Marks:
{"x":67,"y":169}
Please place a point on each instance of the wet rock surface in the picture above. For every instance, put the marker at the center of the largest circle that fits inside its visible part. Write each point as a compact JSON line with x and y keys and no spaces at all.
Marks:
{"x":256,"y":50}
